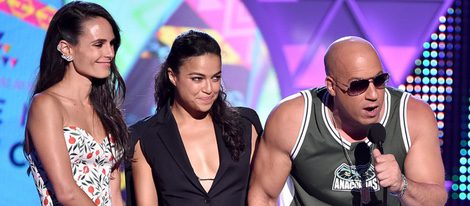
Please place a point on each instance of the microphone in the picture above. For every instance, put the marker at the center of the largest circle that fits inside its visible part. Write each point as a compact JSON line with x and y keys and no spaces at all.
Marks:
{"x":376,"y":134}
{"x":362,"y":156}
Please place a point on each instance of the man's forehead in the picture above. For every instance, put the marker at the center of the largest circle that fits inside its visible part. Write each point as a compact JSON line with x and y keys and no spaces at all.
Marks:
{"x":356,"y":62}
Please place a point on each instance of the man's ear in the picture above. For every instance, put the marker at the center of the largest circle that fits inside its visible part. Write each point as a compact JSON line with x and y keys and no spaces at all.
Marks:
{"x":330,"y":85}
{"x":171,"y":76}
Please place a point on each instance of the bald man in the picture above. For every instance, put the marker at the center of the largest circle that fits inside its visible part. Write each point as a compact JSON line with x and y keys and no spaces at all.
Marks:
{"x":315,"y":149}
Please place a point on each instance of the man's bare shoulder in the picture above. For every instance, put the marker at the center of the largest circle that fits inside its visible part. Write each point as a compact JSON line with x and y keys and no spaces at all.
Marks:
{"x":420,"y":117}
{"x":419,"y":110}
{"x":289,"y":107}
{"x":284,"y":122}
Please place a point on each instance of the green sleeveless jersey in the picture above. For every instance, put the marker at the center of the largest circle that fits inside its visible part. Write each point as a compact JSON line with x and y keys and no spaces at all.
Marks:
{"x":329,"y":170}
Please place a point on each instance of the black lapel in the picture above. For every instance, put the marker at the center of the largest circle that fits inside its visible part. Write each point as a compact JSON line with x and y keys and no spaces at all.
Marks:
{"x":170,"y":136}
{"x":224,"y":155}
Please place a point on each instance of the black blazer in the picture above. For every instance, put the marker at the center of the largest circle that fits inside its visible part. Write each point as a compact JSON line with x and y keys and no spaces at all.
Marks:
{"x":175,"y":180}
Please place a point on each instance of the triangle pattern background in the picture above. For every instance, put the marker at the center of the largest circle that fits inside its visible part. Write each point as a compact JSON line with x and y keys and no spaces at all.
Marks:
{"x":396,"y":29}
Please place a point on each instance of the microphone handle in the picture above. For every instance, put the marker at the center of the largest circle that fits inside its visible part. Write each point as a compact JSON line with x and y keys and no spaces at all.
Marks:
{"x":385,"y":193}
{"x":380,"y":147}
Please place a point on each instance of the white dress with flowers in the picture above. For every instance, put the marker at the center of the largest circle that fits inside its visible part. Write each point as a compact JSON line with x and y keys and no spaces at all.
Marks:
{"x":91,"y":164}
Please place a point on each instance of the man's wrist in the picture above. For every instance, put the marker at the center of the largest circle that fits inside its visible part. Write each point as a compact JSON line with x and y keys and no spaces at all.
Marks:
{"x":404,"y":186}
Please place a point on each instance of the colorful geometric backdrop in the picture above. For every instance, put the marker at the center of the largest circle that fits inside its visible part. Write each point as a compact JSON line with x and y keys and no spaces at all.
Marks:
{"x":271,"y":49}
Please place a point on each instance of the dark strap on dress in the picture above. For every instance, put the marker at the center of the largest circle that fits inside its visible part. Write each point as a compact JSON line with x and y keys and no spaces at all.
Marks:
{"x":251,"y":116}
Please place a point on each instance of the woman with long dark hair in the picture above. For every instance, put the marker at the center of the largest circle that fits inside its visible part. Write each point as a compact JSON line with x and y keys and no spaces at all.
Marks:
{"x":75,"y":134}
{"x":197,"y":149}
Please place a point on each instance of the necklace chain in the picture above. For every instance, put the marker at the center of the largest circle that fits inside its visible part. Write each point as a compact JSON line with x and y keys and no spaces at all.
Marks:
{"x":364,"y":191}
{"x":348,"y":158}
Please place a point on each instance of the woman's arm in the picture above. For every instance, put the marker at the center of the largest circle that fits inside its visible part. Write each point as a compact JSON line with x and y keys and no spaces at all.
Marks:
{"x":115,"y":183}
{"x":45,"y":128}
{"x":144,"y":189}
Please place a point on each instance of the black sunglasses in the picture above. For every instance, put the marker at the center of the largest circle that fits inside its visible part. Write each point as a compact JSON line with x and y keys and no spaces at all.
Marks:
{"x":358,"y":87}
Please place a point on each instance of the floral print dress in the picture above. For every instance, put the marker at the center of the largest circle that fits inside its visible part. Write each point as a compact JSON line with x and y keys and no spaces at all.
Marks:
{"x":91,"y":164}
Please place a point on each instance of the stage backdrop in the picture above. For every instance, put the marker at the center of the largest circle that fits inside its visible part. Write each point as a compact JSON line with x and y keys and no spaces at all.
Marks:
{"x":271,"y":49}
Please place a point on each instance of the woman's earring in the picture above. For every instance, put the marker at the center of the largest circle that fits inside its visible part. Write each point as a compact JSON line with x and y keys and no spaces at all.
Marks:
{"x":66,"y":57}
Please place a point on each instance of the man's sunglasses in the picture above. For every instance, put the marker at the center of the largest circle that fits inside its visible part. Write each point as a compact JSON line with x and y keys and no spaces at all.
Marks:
{"x":358,"y":87}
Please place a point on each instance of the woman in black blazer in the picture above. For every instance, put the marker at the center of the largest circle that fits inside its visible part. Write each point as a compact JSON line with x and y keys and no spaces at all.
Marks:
{"x":196,"y":150}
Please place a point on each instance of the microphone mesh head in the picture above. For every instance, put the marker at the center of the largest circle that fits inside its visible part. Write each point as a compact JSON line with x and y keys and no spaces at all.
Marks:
{"x":376,"y":133}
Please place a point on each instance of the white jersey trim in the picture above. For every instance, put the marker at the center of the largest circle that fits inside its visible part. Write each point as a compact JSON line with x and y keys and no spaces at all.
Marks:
{"x":387,"y":102}
{"x":287,"y":193}
{"x":404,"y":121}
{"x":329,"y":123}
{"x":305,"y":121}
{"x":335,"y":134}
